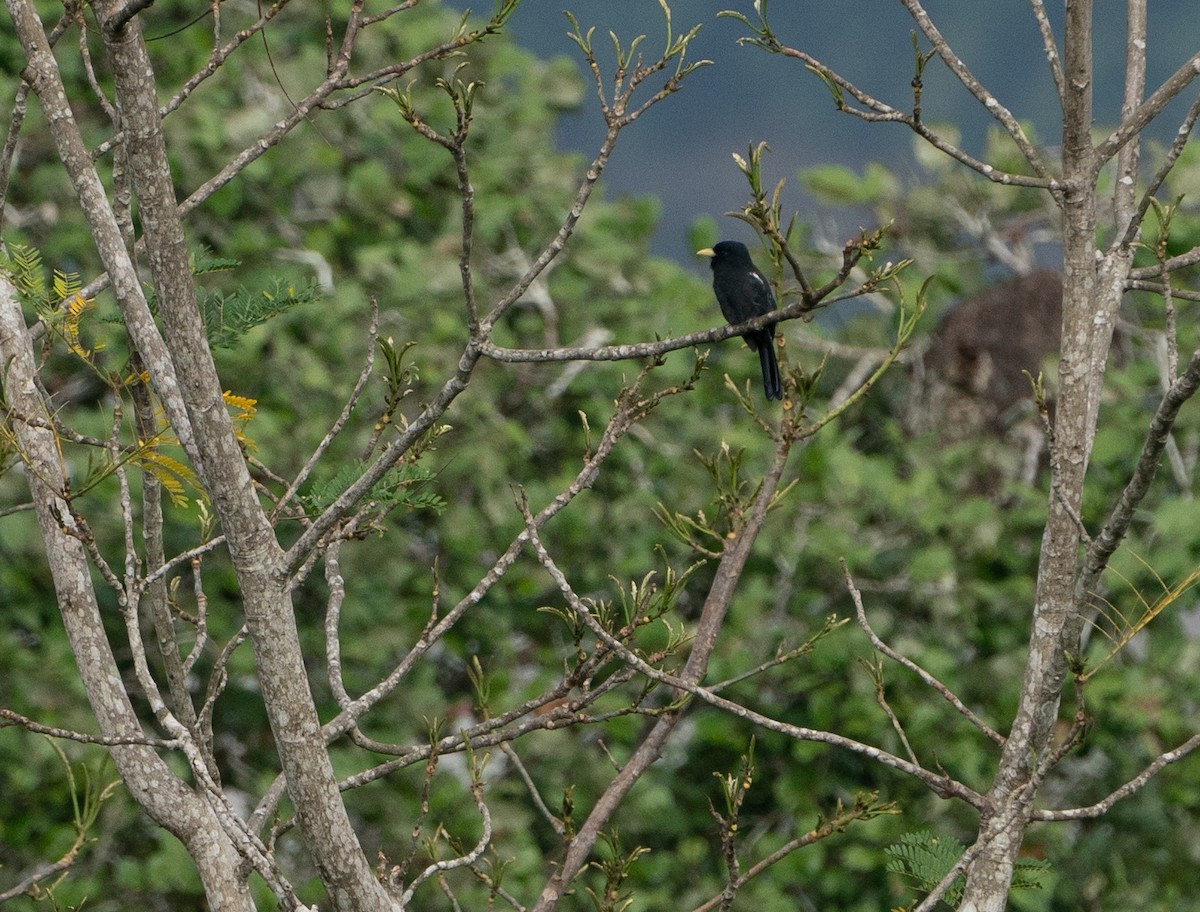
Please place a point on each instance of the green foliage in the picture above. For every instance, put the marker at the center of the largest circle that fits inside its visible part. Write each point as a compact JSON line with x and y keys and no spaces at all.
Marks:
{"x":942,"y":538}
{"x":839,"y":185}
{"x":404,"y":486}
{"x":616,"y":869}
{"x":229,"y":316}
{"x":24,"y":266}
{"x":925,"y":860}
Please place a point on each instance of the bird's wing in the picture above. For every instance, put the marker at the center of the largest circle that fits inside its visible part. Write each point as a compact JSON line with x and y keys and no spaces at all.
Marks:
{"x":759,"y":290}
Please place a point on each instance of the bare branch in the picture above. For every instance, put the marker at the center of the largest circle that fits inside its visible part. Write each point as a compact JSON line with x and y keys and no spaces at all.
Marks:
{"x":1113,"y":533}
{"x":861,"y":613}
{"x":316,"y":98}
{"x":1133,"y":785}
{"x":1183,"y":294}
{"x":1051,"y":47}
{"x":1132,"y":125}
{"x":941,"y":784}
{"x":878,"y":111}
{"x":1182,"y":135}
{"x":531,"y":787}
{"x":1183,"y":260}
{"x":1125,"y":187}
{"x":976,"y":88}
{"x":834,"y":824}
{"x":389,"y":12}
{"x":449,"y":864}
{"x":798,"y":310}
{"x":15,"y":718}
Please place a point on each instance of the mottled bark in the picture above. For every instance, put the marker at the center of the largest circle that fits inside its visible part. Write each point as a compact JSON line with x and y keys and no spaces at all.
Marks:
{"x":256,"y":555}
{"x":1092,"y":290}
{"x":165,"y":797}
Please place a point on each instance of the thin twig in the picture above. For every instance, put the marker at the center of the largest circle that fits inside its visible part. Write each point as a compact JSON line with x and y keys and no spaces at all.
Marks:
{"x":530,"y":786}
{"x":1133,"y":125}
{"x":942,"y":784}
{"x":1133,"y":785}
{"x":1050,"y":46}
{"x":342,"y":419}
{"x":976,"y":88}
{"x":879,"y":111}
{"x":1113,"y":533}
{"x":14,"y":718}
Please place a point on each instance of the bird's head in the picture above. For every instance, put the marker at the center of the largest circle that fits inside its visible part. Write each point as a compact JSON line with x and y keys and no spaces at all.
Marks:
{"x":727,"y":252}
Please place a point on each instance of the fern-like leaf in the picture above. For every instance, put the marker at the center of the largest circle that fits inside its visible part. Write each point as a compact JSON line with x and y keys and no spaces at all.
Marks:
{"x":241,"y":410}
{"x":204,"y":261}
{"x":24,"y":267}
{"x":175,"y":477}
{"x":77,"y":306}
{"x":404,"y":486}
{"x":925,"y":859}
{"x":228,"y":317}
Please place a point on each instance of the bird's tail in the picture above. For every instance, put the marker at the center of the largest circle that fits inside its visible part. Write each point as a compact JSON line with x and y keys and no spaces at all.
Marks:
{"x":770,"y":368}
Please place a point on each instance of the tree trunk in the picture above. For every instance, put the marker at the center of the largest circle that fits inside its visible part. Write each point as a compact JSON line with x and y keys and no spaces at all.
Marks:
{"x":256,"y":555}
{"x":165,"y":797}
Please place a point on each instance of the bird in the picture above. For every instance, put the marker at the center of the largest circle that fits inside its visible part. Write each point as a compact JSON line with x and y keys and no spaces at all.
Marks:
{"x":743,"y":292}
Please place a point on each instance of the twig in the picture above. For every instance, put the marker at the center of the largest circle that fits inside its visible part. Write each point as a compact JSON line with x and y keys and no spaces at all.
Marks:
{"x":342,"y":419}
{"x":1185,"y":294}
{"x":1182,"y":135}
{"x":876,"y":672}
{"x":880,"y":111}
{"x":333,"y":613}
{"x":38,"y":874}
{"x":388,"y":13}
{"x":1133,"y":125}
{"x":1133,"y":785}
{"x":449,"y":864}
{"x":1181,"y":261}
{"x":15,"y":718}
{"x":831,"y":826}
{"x":1113,"y":533}
{"x":976,"y":88}
{"x":200,"y":621}
{"x":335,"y":81}
{"x":532,"y":788}
{"x":182,"y":558}
{"x":1051,"y":48}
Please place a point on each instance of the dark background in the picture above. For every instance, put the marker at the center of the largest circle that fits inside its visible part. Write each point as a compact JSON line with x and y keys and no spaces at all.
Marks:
{"x":681,"y":151}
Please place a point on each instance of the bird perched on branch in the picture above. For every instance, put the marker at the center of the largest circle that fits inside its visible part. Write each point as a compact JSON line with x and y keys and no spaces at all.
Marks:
{"x":743,"y":293}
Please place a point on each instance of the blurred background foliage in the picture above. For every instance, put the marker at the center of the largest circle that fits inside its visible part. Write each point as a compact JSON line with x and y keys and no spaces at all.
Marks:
{"x":942,"y":538}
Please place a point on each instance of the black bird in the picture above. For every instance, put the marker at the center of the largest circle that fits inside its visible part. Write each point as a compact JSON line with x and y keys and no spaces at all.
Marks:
{"x":743,"y":293}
